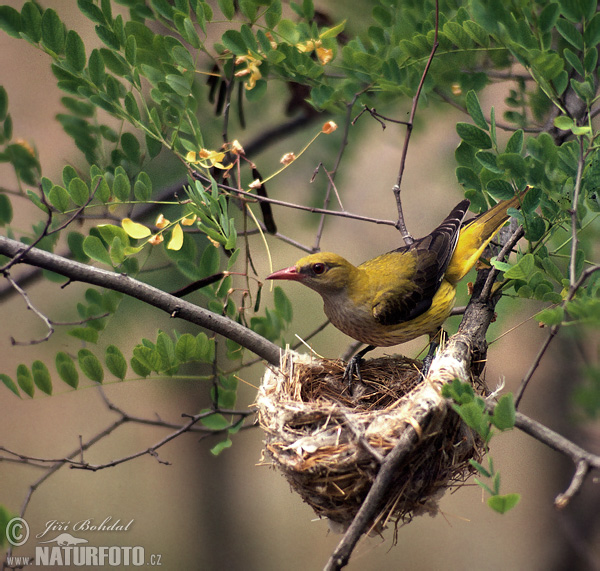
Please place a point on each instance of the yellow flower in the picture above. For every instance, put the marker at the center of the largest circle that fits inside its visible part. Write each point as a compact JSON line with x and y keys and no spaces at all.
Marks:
{"x":156,"y":239}
{"x":251,"y":69}
{"x":236,"y":148}
{"x":207,"y":159}
{"x":189,"y":220}
{"x":308,"y":46}
{"x":161,"y":222}
{"x":324,"y":55}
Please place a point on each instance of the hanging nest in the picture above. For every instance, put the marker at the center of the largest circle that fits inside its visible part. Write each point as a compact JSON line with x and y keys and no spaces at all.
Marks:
{"x":328,"y":438}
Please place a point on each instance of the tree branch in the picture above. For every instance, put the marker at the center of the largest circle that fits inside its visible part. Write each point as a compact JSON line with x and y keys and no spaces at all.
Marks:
{"x":175,"y":307}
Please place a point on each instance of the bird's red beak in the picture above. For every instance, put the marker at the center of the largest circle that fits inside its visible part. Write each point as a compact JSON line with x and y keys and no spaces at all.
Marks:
{"x":290,"y":273}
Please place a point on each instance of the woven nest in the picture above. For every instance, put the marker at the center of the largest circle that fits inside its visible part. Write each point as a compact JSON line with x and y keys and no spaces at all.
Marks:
{"x":328,"y":438}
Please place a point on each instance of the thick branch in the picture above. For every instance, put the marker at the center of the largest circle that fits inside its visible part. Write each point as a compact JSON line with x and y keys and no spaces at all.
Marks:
{"x":175,"y":307}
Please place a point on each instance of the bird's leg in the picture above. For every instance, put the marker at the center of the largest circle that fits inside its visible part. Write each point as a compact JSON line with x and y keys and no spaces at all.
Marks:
{"x":353,"y":366}
{"x":434,"y":343}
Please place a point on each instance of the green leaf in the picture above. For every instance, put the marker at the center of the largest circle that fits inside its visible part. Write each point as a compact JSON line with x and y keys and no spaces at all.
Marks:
{"x":514,"y":163}
{"x":59,"y":198}
{"x":551,"y":316}
{"x":503,"y":504}
{"x":148,"y":358}
{"x":90,"y":365}
{"x":131,"y":50}
{"x":31,"y":21}
{"x":234,"y":42}
{"x":515,"y":143}
{"x":53,"y":31}
{"x":474,"y":110}
{"x":215,"y":421}
{"x":548,"y":17}
{"x":41,"y":377}
{"x":179,"y":84}
{"x":523,"y":269}
{"x":591,"y":35}
{"x":503,"y":417}
{"x":480,"y":468}
{"x":95,"y":249}
{"x":9,"y":384}
{"x":227,"y":7}
{"x":66,"y":369}
{"x":570,"y":33}
{"x":166,"y":350}
{"x":488,"y":160}
{"x":186,"y":348}
{"x":25,"y":380}
{"x":163,"y":8}
{"x":96,"y":68}
{"x":10,"y":21}
{"x":6,"y":210}
{"x":75,"y":51}
{"x":218,"y":448}
{"x":3,"y":103}
{"x":283,"y":305}
{"x":87,"y":334}
{"x":115,"y":362}
{"x":574,"y":60}
{"x":139,"y":368}
{"x":122,"y":187}
{"x":131,"y":147}
{"x":108,"y":37}
{"x":473,"y":136}
{"x":79,"y":191}
{"x":273,"y":14}
{"x":468,"y":178}
{"x":564,"y":123}
{"x":91,"y":11}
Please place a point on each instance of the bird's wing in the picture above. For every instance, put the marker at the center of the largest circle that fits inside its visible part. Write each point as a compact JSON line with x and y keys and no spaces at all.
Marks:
{"x":412,"y":293}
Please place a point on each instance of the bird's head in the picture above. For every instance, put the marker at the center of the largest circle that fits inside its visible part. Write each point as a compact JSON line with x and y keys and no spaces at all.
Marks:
{"x":324,"y":272}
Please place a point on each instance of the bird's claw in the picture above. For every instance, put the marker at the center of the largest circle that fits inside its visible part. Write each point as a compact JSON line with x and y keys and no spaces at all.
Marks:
{"x":353,"y":368}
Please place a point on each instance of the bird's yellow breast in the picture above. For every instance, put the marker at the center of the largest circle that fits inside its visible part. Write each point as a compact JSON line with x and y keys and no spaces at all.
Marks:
{"x":357,"y":320}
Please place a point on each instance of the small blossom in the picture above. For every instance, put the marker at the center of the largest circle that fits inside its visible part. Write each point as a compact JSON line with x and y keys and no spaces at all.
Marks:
{"x":251,"y":70}
{"x":255,"y":184}
{"x":324,"y":55}
{"x":271,"y":40}
{"x":162,"y":222}
{"x":156,"y":239}
{"x":208,"y":159}
{"x":214,"y":242}
{"x":287,"y":159}
{"x":456,"y":89}
{"x":26,"y":145}
{"x":236,"y":148}
{"x":189,"y":220}
{"x":329,"y":127}
{"x":308,"y":46}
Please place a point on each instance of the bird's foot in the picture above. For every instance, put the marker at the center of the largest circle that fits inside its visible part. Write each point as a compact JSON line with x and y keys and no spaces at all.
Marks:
{"x":353,"y":369}
{"x":429,"y":358}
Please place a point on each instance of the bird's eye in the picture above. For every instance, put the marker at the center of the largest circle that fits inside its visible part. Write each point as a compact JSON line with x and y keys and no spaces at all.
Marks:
{"x":318,"y":269}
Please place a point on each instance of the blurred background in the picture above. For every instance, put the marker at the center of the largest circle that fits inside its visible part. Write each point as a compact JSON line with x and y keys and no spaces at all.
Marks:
{"x":225,"y":512}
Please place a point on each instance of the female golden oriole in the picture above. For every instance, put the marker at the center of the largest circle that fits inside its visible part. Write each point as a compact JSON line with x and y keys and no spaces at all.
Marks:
{"x":405,"y":293}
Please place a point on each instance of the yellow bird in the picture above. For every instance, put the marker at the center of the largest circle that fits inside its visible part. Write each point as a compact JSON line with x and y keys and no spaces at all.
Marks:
{"x":406,"y":293}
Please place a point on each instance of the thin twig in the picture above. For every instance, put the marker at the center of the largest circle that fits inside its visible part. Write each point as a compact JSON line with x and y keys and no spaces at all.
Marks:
{"x":331,"y":175}
{"x":32,"y":307}
{"x":553,"y":331}
{"x":314,"y":210}
{"x":400,"y":224}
